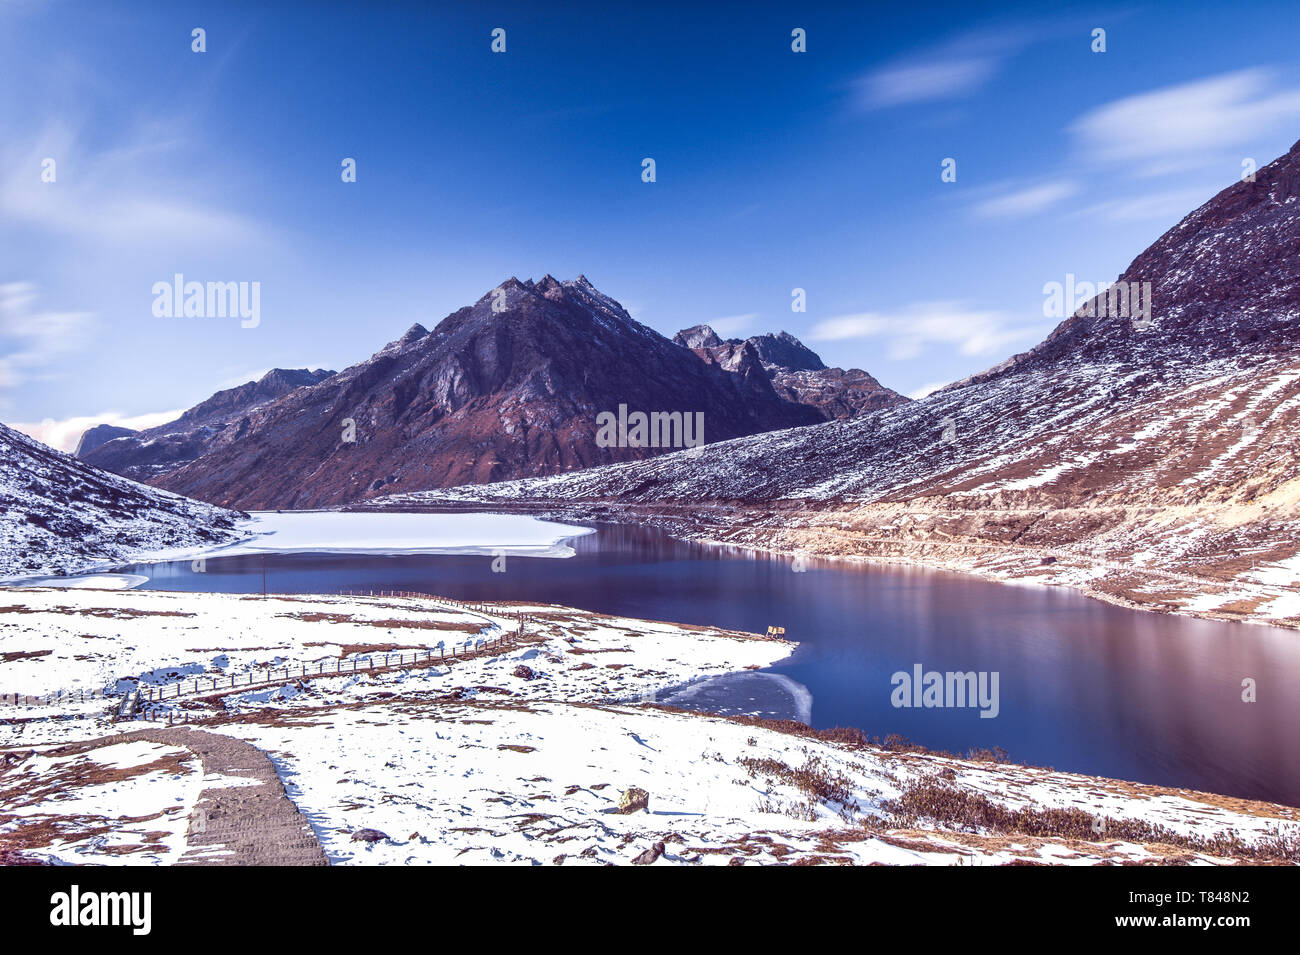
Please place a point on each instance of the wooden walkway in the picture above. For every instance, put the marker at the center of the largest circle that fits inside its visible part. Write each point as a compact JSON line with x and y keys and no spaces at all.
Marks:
{"x":251,"y":823}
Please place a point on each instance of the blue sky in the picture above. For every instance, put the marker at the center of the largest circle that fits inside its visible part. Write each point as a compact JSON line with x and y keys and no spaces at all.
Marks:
{"x":775,"y":170}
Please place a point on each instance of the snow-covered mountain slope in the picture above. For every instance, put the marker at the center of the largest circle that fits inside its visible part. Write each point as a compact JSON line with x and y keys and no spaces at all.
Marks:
{"x":58,"y":515}
{"x":1161,"y":441}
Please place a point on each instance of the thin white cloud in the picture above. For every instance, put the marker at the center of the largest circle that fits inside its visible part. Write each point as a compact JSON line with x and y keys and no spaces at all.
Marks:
{"x":64,"y":434}
{"x":1163,"y":129}
{"x":32,"y":339}
{"x":91,"y":196}
{"x":958,"y":67}
{"x":909,"y":332}
{"x":925,"y":81}
{"x":1026,"y":202}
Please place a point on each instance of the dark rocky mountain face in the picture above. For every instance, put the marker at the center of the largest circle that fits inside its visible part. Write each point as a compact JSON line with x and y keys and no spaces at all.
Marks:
{"x":835,"y":392}
{"x":141,"y":455}
{"x":511,"y":386}
{"x":796,"y":372}
{"x":100,"y":434}
{"x":781,"y":351}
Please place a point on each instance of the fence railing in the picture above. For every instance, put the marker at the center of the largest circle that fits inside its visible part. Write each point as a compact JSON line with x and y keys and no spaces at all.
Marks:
{"x":210,"y":684}
{"x":339,"y":667}
{"x":140,"y":701}
{"x":56,"y":698}
{"x":482,"y":608}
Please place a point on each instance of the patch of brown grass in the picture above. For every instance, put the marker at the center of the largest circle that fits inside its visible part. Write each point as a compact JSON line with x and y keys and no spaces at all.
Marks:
{"x":818,"y":782}
{"x":391,"y":624}
{"x":108,"y":613}
{"x":948,"y":805}
{"x":23,"y":655}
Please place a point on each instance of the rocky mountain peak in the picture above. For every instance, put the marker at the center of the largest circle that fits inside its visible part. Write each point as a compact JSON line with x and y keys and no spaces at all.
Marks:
{"x":414,"y":333}
{"x":510,"y":386}
{"x":698,"y":336}
{"x":783,"y":350}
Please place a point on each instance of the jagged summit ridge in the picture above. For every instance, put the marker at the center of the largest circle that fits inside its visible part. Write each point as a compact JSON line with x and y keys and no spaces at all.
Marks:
{"x":512,"y":385}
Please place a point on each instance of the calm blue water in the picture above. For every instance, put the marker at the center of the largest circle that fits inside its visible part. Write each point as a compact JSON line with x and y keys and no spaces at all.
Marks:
{"x":1083,"y":685}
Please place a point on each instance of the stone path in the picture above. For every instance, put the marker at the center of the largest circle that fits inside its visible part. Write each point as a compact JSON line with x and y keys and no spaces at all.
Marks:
{"x":252,"y":822}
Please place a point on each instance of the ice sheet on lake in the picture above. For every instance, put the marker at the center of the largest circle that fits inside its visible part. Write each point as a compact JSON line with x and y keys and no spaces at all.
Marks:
{"x":769,"y":695}
{"x":389,"y":533}
{"x":88,"y":581}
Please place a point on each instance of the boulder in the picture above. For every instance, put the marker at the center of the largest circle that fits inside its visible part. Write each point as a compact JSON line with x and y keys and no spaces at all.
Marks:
{"x":632,"y":800}
{"x":650,"y":855}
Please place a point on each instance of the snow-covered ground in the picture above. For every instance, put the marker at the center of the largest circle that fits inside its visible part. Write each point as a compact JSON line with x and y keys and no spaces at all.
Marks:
{"x":82,"y":641}
{"x":522,"y":755}
{"x":492,"y":780}
{"x":283,"y":532}
{"x":126,"y":803}
{"x":88,"y":581}
{"x":86,"y":641}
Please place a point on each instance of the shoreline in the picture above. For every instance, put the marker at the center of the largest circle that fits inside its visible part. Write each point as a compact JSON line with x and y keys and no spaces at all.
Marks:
{"x":1050,"y":570}
{"x":1054,"y":574}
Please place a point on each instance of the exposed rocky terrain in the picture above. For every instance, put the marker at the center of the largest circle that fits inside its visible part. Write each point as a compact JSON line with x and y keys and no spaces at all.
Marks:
{"x":796,"y":372}
{"x":1150,"y":460}
{"x":59,"y":514}
{"x":511,"y":386}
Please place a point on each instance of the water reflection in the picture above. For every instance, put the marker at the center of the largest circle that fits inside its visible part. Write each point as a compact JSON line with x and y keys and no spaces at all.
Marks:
{"x":1084,"y":685}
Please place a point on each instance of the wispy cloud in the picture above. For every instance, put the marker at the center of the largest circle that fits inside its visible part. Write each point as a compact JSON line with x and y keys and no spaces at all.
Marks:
{"x":32,"y":339}
{"x":959,"y":67}
{"x":1027,"y":201}
{"x":917,"y":394}
{"x":1163,"y":130}
{"x":1170,"y":205}
{"x":64,"y":434}
{"x":919,"y":82}
{"x":953,"y":323}
{"x":92,"y":196}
